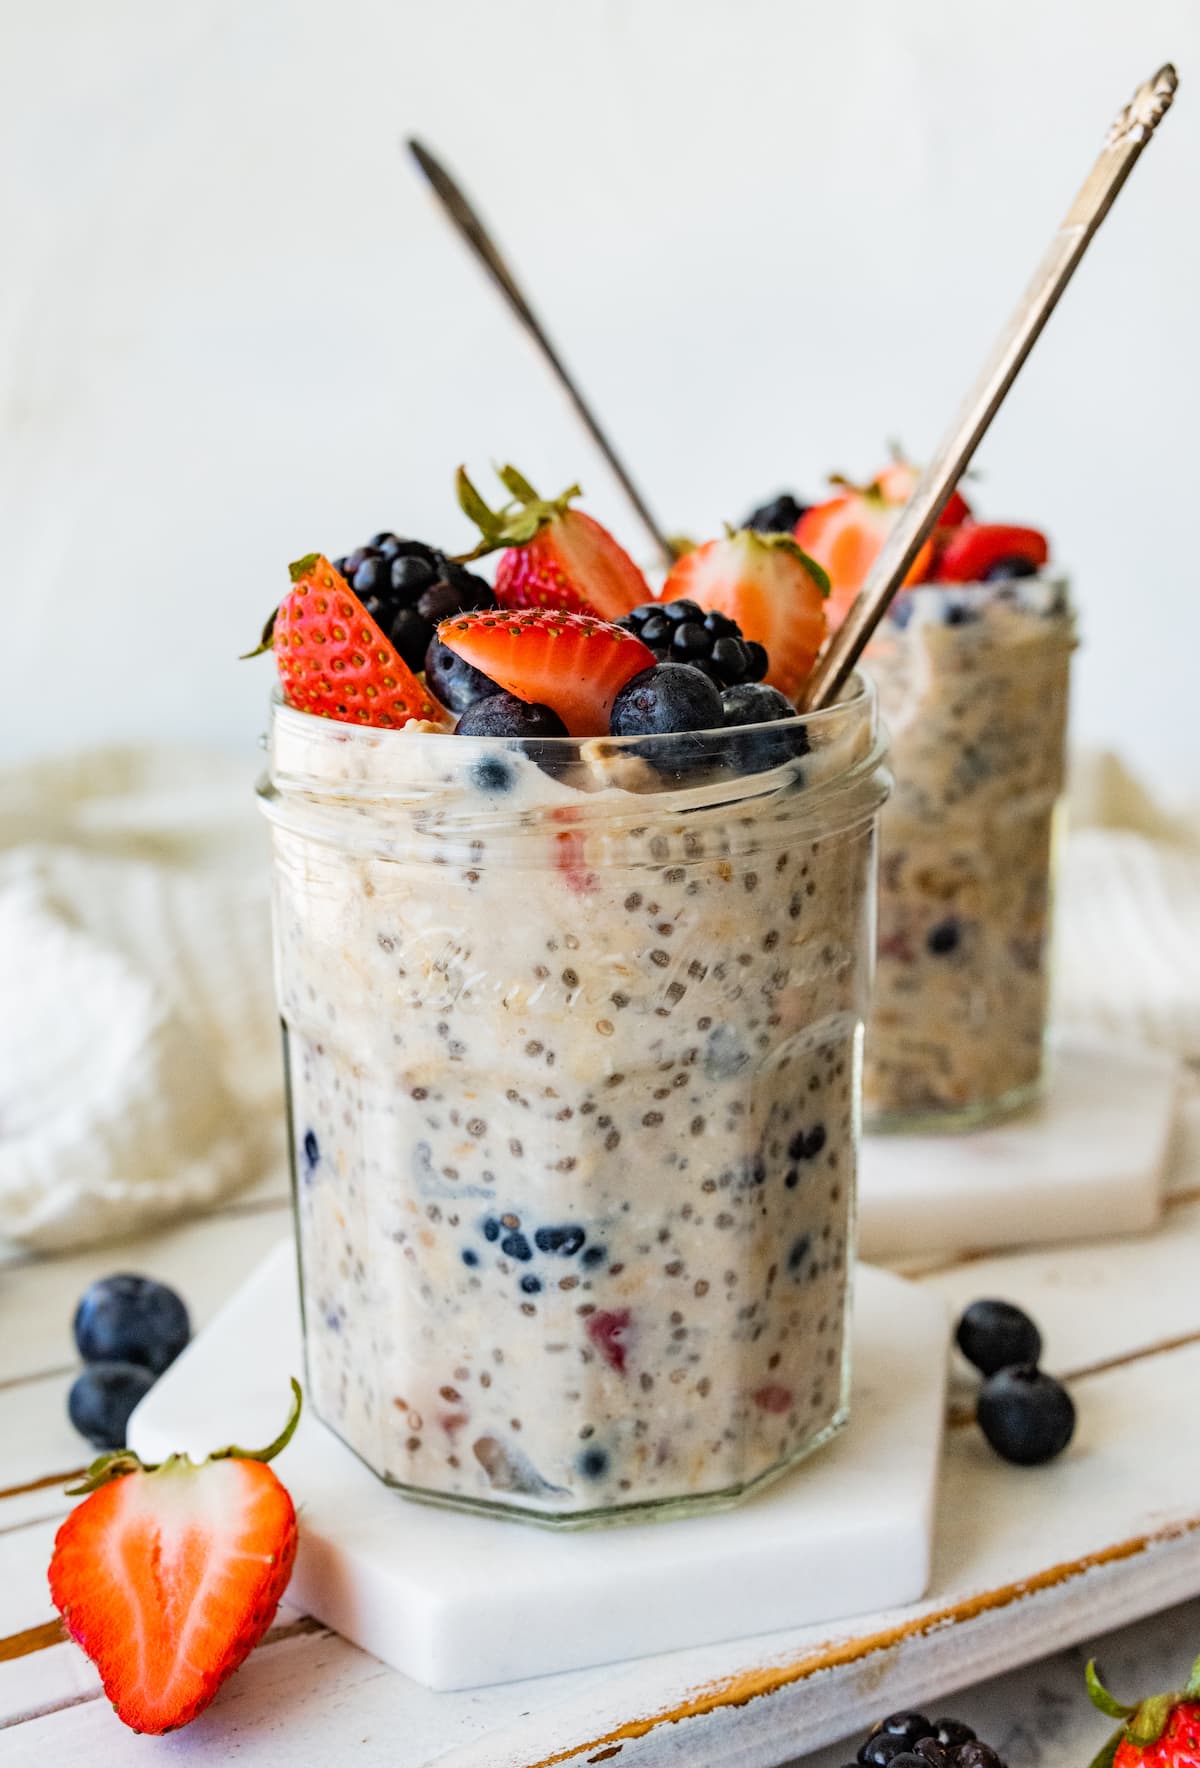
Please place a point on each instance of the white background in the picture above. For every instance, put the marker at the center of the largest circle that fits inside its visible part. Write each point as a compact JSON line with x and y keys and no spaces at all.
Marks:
{"x":767,"y":235}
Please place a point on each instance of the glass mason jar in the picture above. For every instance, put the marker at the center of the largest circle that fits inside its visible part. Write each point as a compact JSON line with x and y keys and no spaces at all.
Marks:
{"x":973,"y":686}
{"x":572,"y":1035}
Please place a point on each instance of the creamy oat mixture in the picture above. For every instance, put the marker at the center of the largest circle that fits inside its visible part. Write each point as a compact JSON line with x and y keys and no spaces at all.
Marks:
{"x":572,"y":1070}
{"x":973,"y":686}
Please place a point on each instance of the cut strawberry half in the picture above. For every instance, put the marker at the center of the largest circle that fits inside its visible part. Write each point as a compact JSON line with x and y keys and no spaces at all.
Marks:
{"x":556,"y":557}
{"x":845,"y":535}
{"x":334,"y":660}
{"x":572,"y":663}
{"x":168,"y":1576}
{"x":974,"y":552}
{"x":898,"y":480}
{"x":770,"y":586}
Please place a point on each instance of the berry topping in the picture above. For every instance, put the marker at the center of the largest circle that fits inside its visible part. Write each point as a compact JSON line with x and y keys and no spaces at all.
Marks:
{"x":503,"y":715}
{"x":668,"y":697}
{"x":773,"y":590}
{"x":407,"y":587}
{"x":683,"y":632}
{"x":1026,"y":1415}
{"x":333,"y":659}
{"x":168,"y":1576}
{"x":996,"y":1334}
{"x":777,"y":517}
{"x":454,"y":681}
{"x":846,"y":534}
{"x":556,"y":556}
{"x":102,"y":1400}
{"x":754,"y":703}
{"x":973,"y":551}
{"x":572,"y":663}
{"x":128,"y":1319}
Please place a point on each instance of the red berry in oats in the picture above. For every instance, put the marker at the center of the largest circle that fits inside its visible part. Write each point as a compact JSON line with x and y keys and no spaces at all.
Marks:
{"x":573,"y":663}
{"x":556,"y":556}
{"x":334,"y":660}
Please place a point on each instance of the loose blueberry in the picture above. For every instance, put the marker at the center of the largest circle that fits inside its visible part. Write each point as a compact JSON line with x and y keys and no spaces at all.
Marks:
{"x":669,"y":697}
{"x":457,"y":683}
{"x":516,"y":1246}
{"x":1026,"y":1416}
{"x":779,"y":516}
{"x":129,"y":1319}
{"x":996,"y":1335}
{"x":503,"y":715}
{"x":102,"y":1398}
{"x":944,"y":938}
{"x":565,"y":1240}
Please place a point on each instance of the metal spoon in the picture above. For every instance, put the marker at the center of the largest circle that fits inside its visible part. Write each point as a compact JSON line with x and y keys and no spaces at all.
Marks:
{"x":468,"y":224}
{"x":1126,"y":140}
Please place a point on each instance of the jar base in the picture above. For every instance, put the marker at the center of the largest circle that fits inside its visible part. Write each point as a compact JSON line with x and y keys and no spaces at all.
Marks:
{"x":954,"y":1120}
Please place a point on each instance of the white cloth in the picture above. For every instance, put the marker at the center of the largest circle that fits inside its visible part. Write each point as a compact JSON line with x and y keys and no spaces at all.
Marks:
{"x":139,"y":1048}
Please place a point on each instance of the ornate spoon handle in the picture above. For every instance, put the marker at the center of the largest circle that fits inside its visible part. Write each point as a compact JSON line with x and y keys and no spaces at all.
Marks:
{"x":1126,"y":140}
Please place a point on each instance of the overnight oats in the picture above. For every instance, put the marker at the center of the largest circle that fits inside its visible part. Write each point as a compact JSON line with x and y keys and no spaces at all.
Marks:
{"x":972,"y":666}
{"x":573,"y":1000}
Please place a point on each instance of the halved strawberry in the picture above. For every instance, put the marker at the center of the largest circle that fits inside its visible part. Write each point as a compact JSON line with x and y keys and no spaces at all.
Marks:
{"x":334,"y":660}
{"x":976,"y":549}
{"x":572,"y":663}
{"x":774,"y":591}
{"x":168,"y":1576}
{"x":898,"y":480}
{"x":845,"y":535}
{"x":557,"y":557}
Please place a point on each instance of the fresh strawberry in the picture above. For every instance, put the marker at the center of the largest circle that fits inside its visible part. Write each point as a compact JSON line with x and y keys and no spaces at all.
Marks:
{"x":169,"y":1576}
{"x":774,"y":591}
{"x":573,"y":663}
{"x":556,"y":557}
{"x":1162,"y":1731}
{"x":974,"y":551}
{"x":334,"y":660}
{"x":898,"y":480}
{"x":846,"y":533}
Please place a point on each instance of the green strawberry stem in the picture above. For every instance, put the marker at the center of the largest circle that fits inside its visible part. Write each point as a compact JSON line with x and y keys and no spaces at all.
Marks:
{"x":122,"y":1461}
{"x":1100,"y":1697}
{"x":518,"y":522}
{"x":783,"y":543}
{"x":1145,"y":1722}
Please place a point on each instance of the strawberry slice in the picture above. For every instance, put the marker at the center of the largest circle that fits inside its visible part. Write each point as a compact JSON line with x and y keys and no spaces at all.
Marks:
{"x":572,"y":663}
{"x":898,"y":480}
{"x":169,"y":1576}
{"x":845,"y":535}
{"x":974,"y":551}
{"x":556,"y":557}
{"x":334,"y":660}
{"x":774,"y":591}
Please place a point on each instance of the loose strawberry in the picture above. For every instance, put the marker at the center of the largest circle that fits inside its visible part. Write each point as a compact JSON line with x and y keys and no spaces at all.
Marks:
{"x":1162,"y":1731}
{"x":846,"y":533}
{"x":773,"y":589}
{"x":169,"y":1576}
{"x":556,"y":557}
{"x":573,"y":663}
{"x":334,"y":660}
{"x":982,"y":550}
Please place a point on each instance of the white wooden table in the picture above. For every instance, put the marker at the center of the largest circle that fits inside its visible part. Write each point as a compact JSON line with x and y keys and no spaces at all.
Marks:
{"x":1122,"y":1321}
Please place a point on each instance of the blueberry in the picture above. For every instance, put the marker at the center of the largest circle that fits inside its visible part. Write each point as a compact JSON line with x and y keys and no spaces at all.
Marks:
{"x":102,"y":1398}
{"x":493,"y":774}
{"x":128,"y":1319}
{"x":565,"y":1240}
{"x":800,"y":1251}
{"x":470,"y":1256}
{"x":593,"y":1256}
{"x":516,"y":1246}
{"x":1007,"y":568}
{"x":1026,"y":1416}
{"x":779,"y":516}
{"x":753,"y":703}
{"x":491,"y":1229}
{"x":807,"y":1146}
{"x":593,"y":1463}
{"x":995,"y":1335}
{"x":943,"y":939}
{"x":531,"y":1285}
{"x":312,"y":1150}
{"x":959,"y":614}
{"x":503,"y":715}
{"x":667,"y":697}
{"x":457,"y":683}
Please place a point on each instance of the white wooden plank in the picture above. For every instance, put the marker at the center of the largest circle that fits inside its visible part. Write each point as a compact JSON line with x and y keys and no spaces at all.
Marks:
{"x":203,"y":1259}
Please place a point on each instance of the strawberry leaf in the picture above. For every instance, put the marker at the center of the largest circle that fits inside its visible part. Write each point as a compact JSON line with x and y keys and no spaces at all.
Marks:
{"x":520,"y":487}
{"x":1150,"y":1720}
{"x":1192,"y":1691}
{"x":302,"y":567}
{"x":106,"y":1468}
{"x":1100,"y":1697}
{"x":266,"y":642}
{"x":1107,"y":1756}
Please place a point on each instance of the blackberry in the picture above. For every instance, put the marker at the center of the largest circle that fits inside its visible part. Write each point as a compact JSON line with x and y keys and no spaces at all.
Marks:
{"x":777,"y":517}
{"x":408,"y":587}
{"x":683,"y":632}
